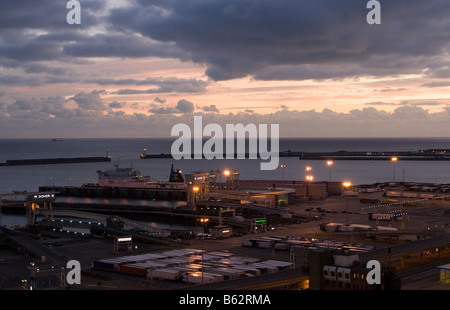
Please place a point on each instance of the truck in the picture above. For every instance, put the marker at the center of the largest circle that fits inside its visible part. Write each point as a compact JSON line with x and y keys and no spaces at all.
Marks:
{"x":354,"y":227}
{"x":332,"y":227}
{"x":385,"y":217}
{"x":381,"y":217}
{"x":385,"y":228}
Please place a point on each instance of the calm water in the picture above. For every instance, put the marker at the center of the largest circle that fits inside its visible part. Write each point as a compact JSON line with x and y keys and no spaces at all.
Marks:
{"x":126,"y":152}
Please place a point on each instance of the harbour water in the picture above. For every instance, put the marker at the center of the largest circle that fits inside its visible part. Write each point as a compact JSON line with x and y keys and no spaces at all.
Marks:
{"x":126,"y":152}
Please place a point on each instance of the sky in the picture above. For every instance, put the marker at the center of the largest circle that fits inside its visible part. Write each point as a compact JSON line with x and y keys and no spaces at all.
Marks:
{"x":136,"y":68}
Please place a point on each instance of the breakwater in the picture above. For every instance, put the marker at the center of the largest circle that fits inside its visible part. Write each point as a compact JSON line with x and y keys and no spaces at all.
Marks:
{"x":427,"y":155}
{"x":53,"y":161}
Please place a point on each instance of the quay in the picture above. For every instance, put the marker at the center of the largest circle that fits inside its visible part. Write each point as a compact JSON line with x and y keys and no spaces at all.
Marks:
{"x":111,"y":192}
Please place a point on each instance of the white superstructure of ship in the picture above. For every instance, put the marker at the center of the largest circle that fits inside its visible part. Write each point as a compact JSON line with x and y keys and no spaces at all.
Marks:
{"x":132,"y":178}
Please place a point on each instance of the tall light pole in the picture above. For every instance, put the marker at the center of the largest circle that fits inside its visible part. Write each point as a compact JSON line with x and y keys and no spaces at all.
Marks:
{"x":309,"y":177}
{"x":195,"y":190}
{"x":329,"y":164}
{"x":394,"y":160}
{"x":346,"y":186}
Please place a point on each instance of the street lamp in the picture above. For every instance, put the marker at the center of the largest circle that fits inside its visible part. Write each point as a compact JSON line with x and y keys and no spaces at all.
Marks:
{"x":394,"y":160}
{"x":282,"y":167}
{"x":204,"y":222}
{"x":329,"y":164}
{"x":195,"y":189}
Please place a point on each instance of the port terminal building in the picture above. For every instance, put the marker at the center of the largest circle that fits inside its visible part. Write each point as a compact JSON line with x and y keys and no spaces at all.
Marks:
{"x":278,"y":192}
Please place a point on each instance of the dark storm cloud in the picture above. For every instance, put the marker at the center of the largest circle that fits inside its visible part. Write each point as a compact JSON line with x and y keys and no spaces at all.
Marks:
{"x":309,"y":38}
{"x":44,"y":14}
{"x":127,"y":45}
{"x":162,"y":85}
{"x":267,"y":39}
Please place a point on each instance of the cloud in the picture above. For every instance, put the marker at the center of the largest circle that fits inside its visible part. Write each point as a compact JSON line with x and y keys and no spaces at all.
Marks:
{"x":185,"y":106}
{"x":159,"y":100}
{"x":211,"y":108}
{"x":266,"y":39}
{"x":116,"y":105}
{"x":296,"y":39}
{"x":90,"y":101}
{"x":162,"y":85}
{"x":44,"y":116}
{"x":409,"y":103}
{"x":437,"y":84}
{"x":163,"y":110}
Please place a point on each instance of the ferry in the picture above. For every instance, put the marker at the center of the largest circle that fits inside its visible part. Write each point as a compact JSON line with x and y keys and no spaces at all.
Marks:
{"x":132,"y":178}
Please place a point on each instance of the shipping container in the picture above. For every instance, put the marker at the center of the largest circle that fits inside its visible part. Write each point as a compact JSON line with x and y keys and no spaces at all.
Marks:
{"x":202,"y":278}
{"x":228,"y":273}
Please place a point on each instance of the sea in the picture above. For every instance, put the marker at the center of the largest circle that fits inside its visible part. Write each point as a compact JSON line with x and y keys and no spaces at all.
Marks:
{"x":126,"y":153}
